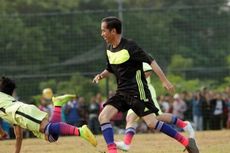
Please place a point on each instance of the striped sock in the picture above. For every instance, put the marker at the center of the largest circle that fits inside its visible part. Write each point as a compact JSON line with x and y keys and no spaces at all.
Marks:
{"x":168,"y":130}
{"x":56,"y":116}
{"x":178,"y":122}
{"x":66,"y":129}
{"x":108,"y":134}
{"x":62,"y":128}
{"x":129,"y":133}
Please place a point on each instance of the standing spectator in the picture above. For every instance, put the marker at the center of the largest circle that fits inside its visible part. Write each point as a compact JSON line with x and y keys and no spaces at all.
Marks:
{"x":164,"y":103}
{"x":188,"y":115}
{"x":205,"y":97}
{"x":217,"y":110}
{"x":94,"y":110}
{"x":228,"y":120}
{"x":225,"y":114}
{"x":179,"y":106}
{"x":71,"y":112}
{"x":197,"y":112}
{"x":98,"y":98}
{"x":82,"y":111}
{"x":100,"y":101}
{"x":227,"y":91}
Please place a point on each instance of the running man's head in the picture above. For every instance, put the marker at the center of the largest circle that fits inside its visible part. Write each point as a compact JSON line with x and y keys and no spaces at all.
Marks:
{"x":110,"y":28}
{"x":7,"y":85}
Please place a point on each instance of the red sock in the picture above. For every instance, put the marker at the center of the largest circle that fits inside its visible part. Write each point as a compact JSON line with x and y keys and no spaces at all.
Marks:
{"x":183,"y":140}
{"x":112,"y":148}
{"x":129,"y":133}
{"x":66,"y":129}
{"x":128,"y":138}
{"x":56,"y":116}
{"x":180,"y":123}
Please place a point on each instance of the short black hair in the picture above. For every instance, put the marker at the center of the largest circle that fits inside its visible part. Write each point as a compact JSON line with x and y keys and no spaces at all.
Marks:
{"x":7,"y":85}
{"x":113,"y":23}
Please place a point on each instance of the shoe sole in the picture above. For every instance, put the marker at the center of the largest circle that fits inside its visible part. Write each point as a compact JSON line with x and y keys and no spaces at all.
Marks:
{"x":89,"y":136}
{"x":193,"y":146}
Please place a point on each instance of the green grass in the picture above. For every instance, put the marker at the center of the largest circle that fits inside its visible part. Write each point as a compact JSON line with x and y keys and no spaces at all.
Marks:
{"x":209,"y":142}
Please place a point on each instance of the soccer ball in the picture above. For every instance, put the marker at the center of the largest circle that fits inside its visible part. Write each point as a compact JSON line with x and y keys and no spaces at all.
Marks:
{"x":47,"y":93}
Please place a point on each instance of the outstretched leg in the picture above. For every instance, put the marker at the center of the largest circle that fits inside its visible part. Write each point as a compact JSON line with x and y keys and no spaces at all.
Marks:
{"x":160,"y":126}
{"x":188,"y":143}
{"x":53,"y":130}
{"x":130,"y":131}
{"x":172,"y":119}
{"x":58,"y":102}
{"x":55,"y":127}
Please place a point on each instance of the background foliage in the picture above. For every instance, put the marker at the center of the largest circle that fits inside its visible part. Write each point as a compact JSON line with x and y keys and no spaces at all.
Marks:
{"x":57,"y":43}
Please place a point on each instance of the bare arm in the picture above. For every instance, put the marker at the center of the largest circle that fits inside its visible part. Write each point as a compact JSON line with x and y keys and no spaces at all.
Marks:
{"x":156,"y":68}
{"x":19,"y":136}
{"x":148,"y":74}
{"x":100,"y":76}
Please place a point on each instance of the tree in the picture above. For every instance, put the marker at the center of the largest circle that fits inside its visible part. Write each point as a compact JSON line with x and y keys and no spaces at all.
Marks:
{"x":77,"y":84}
{"x":179,"y":65}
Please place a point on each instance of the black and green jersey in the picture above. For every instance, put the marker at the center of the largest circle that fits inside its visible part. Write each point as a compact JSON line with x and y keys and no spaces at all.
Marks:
{"x":125,"y":62}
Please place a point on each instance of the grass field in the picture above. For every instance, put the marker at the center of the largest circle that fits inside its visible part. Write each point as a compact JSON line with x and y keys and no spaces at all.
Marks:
{"x":209,"y":142}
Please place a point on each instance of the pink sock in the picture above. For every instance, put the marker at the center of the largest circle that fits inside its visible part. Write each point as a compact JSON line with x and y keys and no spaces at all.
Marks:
{"x":112,"y":148}
{"x":180,"y":123}
{"x":129,"y":133}
{"x":56,"y":117}
{"x":183,"y":140}
{"x":128,"y":138}
{"x":66,"y":129}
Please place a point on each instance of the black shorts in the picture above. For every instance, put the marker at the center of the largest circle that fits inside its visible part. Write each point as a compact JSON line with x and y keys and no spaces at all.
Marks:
{"x":125,"y":102}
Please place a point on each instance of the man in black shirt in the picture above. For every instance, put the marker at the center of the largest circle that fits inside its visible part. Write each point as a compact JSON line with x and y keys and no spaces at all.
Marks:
{"x":124,"y":60}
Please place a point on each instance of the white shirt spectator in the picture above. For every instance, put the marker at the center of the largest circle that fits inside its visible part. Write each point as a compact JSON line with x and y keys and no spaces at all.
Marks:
{"x":179,"y":106}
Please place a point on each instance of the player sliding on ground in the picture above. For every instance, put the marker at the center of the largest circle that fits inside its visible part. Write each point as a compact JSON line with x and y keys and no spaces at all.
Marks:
{"x":29,"y":117}
{"x":132,"y":118}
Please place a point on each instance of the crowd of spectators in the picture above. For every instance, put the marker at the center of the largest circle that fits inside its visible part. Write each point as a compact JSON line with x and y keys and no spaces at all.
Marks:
{"x":205,"y":109}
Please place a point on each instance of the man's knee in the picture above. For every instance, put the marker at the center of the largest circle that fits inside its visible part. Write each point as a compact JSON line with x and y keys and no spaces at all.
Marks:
{"x":107,"y":113}
{"x":150,"y":121}
{"x":128,"y":119}
{"x":43,"y":125}
{"x":131,"y":119}
{"x":151,"y":125}
{"x":103,"y":118}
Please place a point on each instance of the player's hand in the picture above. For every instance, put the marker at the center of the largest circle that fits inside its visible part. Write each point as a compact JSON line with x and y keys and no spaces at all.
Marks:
{"x":169,"y":87}
{"x":97,"y":78}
